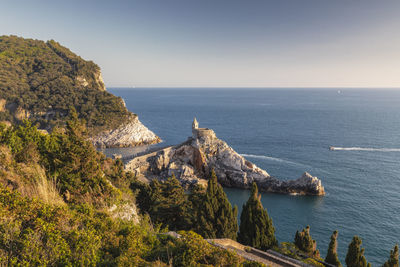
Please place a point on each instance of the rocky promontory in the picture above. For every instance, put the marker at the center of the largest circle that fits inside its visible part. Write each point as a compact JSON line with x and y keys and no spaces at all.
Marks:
{"x":193,"y":160}
{"x":44,"y":81}
{"x":131,"y":133}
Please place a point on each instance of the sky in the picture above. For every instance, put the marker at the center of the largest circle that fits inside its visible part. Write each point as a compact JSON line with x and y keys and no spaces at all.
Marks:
{"x":222,"y":43}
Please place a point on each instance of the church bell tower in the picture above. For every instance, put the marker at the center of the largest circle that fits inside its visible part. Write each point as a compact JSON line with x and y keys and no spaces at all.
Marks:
{"x":195,"y":126}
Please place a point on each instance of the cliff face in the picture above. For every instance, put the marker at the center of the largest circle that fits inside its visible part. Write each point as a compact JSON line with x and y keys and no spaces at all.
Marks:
{"x":130,"y":133}
{"x":41,"y":81}
{"x":192,"y":161}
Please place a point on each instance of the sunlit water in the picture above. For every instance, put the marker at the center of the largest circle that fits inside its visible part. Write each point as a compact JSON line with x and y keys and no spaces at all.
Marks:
{"x":287,"y":132}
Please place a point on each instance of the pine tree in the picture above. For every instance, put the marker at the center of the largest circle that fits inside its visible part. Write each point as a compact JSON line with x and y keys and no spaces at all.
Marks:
{"x":215,"y":217}
{"x":331,"y":256}
{"x":256,"y":228}
{"x":76,"y":163}
{"x":355,"y":254}
{"x":393,"y":261}
{"x":169,"y":204}
{"x":305,"y":243}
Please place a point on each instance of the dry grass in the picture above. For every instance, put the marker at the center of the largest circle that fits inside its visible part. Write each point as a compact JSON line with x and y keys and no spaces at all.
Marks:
{"x":46,"y":189}
{"x":30,"y":180}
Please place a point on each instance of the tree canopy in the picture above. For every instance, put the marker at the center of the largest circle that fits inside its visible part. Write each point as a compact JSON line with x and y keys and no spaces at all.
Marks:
{"x":215,"y":217}
{"x":393,"y":260}
{"x":305,"y":243}
{"x":46,"y":79}
{"x":332,"y":256}
{"x":57,"y":201}
{"x":256,"y":227}
{"x":355,"y":254}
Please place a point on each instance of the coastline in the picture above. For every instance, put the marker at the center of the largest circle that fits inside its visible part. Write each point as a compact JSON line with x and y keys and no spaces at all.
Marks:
{"x":293,"y":130}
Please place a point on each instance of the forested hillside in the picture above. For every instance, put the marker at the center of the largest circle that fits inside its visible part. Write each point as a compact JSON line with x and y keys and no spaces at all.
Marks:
{"x":42,"y":80}
{"x":63,"y":203}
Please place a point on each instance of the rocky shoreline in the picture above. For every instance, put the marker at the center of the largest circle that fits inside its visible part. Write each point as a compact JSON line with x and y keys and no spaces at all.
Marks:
{"x":131,"y":133}
{"x":192,"y":161}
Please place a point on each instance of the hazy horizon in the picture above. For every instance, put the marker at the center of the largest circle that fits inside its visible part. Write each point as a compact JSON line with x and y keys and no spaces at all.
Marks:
{"x":221,"y":44}
{"x":340,"y":90}
{"x":249,"y":87}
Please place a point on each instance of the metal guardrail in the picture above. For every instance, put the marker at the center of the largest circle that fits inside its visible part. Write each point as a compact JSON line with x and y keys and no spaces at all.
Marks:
{"x":142,"y":153}
{"x":287,"y":258}
{"x":322,"y":262}
{"x":279,"y":258}
{"x":269,"y":255}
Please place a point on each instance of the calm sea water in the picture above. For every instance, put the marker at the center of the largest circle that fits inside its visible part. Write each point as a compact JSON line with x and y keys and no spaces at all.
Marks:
{"x":287,"y":132}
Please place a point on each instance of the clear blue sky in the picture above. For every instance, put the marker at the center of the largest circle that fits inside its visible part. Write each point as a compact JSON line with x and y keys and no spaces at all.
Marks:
{"x":247,"y":43}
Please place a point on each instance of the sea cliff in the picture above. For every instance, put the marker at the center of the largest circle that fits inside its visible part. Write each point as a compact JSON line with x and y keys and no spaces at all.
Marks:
{"x":43,"y":81}
{"x":130,"y":133}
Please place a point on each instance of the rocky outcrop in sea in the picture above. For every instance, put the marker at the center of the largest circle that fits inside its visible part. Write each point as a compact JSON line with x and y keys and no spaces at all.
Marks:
{"x":192,"y":161}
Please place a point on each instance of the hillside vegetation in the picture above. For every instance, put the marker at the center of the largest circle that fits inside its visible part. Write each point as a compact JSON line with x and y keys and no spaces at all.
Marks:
{"x":63,"y":203}
{"x":42,"y":80}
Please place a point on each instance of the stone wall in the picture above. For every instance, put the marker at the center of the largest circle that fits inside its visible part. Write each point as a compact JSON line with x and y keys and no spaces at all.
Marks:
{"x":203,"y":133}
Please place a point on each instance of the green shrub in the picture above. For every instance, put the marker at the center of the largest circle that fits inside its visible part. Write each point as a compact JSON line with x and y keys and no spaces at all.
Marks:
{"x":313,"y":262}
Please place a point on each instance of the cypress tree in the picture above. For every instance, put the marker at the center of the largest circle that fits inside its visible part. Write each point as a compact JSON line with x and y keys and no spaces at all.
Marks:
{"x":305,"y":243}
{"x":355,"y":254}
{"x":331,"y":256}
{"x":256,"y":228}
{"x":215,"y":217}
{"x":393,"y":260}
{"x":196,"y":200}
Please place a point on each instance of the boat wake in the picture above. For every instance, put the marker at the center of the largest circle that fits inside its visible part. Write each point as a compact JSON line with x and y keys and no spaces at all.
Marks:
{"x":272,"y":158}
{"x":365,"y":149}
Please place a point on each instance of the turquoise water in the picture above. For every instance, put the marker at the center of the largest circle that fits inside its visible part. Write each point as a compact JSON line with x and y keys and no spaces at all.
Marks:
{"x":287,"y":132}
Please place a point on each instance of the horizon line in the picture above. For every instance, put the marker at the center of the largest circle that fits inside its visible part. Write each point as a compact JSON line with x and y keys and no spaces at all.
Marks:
{"x":253,"y":87}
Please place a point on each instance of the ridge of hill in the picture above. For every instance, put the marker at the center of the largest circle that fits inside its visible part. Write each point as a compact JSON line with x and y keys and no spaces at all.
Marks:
{"x":42,"y":81}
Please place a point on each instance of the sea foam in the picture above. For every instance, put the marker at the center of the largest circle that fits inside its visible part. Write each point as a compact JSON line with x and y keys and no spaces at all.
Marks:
{"x":365,"y":149}
{"x":272,"y":158}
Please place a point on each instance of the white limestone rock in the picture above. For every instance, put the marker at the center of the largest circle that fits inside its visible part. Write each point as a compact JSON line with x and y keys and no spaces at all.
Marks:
{"x":131,"y":133}
{"x":82,"y":81}
{"x":99,"y":80}
{"x":126,"y":211}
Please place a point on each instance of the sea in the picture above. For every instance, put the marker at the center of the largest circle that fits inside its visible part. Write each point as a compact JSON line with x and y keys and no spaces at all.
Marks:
{"x":289,"y":131}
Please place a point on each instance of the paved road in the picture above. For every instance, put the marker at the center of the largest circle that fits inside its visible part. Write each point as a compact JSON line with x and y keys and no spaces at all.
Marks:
{"x":252,"y":257}
{"x":267,"y":258}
